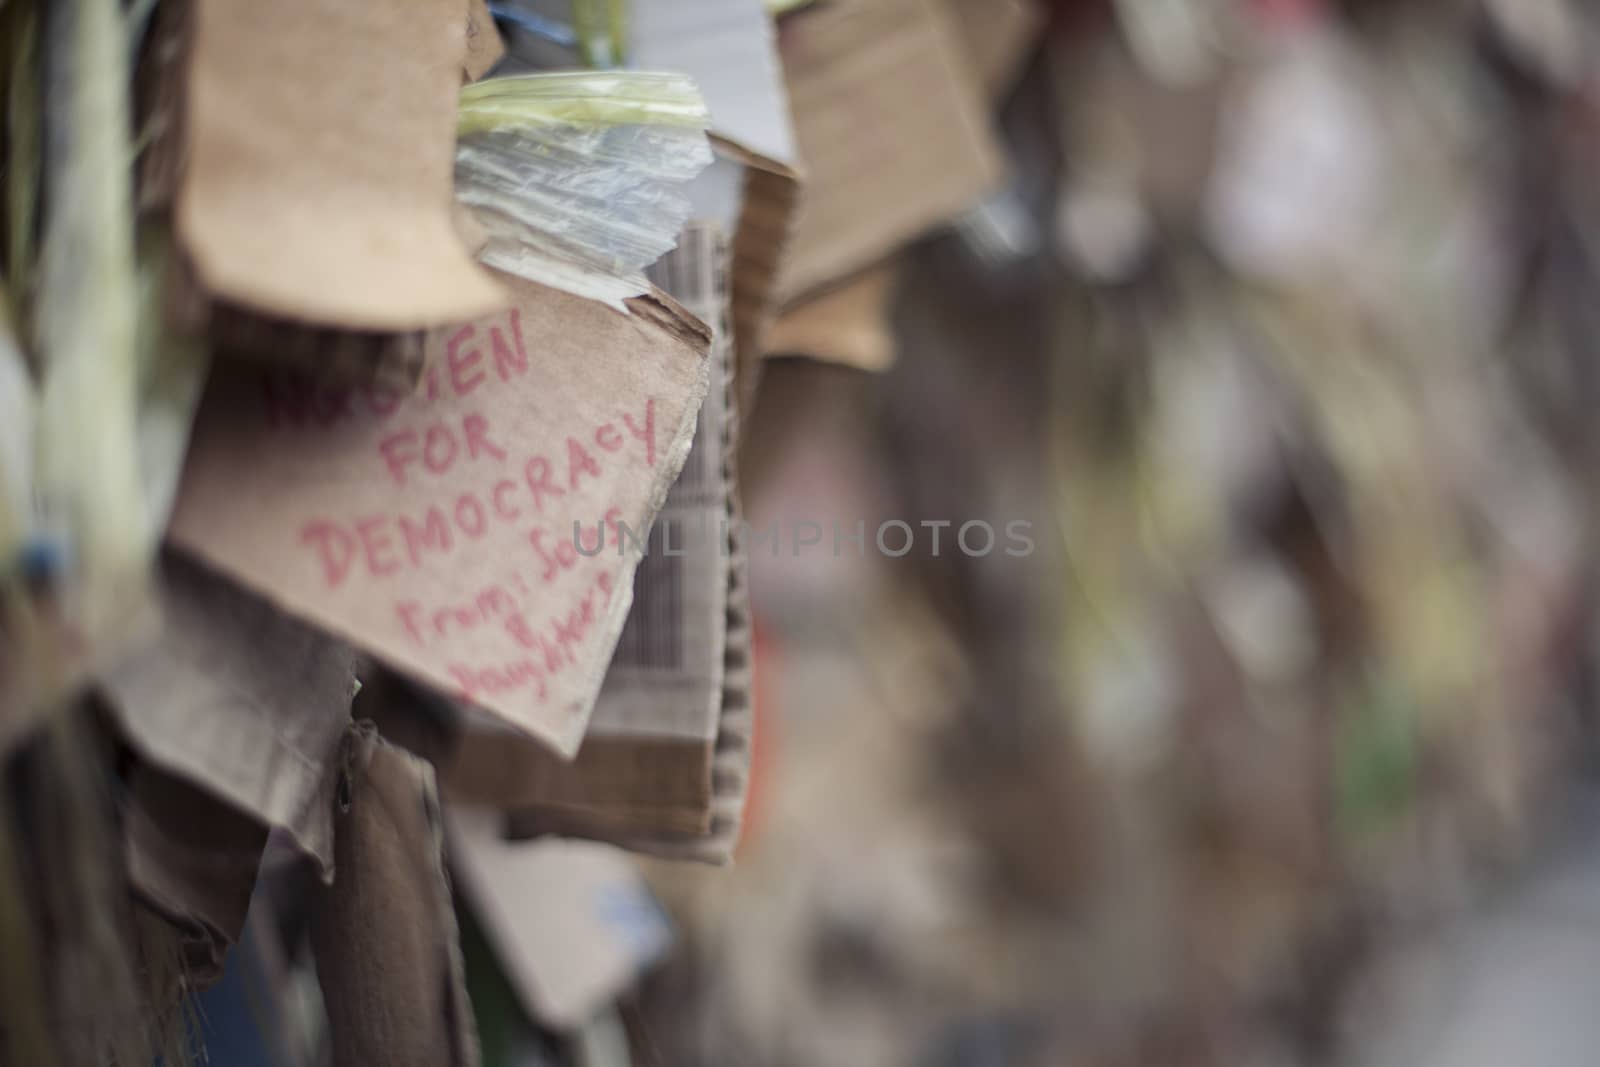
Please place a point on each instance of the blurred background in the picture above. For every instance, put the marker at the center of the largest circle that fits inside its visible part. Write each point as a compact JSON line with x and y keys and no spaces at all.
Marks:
{"x":1265,"y":334}
{"x":1278,"y":748}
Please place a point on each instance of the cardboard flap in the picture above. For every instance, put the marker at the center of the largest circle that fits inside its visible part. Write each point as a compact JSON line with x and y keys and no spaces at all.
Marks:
{"x":453,"y":532}
{"x":240,"y":701}
{"x":321,"y":148}
{"x":893,"y":132}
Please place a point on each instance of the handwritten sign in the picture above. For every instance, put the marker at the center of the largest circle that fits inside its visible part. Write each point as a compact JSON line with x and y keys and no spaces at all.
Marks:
{"x":474,"y":533}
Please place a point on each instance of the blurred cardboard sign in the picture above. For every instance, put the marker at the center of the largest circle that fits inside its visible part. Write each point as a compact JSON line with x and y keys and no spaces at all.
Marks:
{"x":893,"y":133}
{"x":320,"y":153}
{"x":480,"y":534}
{"x":998,"y":36}
{"x":572,"y":922}
{"x":729,"y":47}
{"x":848,"y":325}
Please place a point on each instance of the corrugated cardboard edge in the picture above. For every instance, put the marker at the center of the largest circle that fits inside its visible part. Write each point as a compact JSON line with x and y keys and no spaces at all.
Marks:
{"x":772,"y":191}
{"x":731,"y":755}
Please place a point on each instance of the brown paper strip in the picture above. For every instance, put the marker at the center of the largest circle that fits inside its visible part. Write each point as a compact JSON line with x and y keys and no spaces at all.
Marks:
{"x":384,"y":935}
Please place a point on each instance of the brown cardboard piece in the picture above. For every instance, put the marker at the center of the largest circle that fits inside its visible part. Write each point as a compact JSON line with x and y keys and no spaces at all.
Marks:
{"x":193,"y":859}
{"x":437,"y":530}
{"x":848,"y":325}
{"x":240,"y":701}
{"x":666,"y":757}
{"x":893,"y":133}
{"x":384,"y":935}
{"x":320,"y":152}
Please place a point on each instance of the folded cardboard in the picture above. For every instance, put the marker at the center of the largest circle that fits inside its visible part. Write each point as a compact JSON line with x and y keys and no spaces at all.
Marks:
{"x":663,"y":764}
{"x":892,"y":129}
{"x":320,"y":146}
{"x":240,"y":701}
{"x":480,"y":534}
{"x":193,"y":859}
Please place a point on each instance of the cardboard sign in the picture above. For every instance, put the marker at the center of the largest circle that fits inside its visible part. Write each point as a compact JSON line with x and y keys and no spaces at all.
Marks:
{"x":480,"y":534}
{"x":320,"y":154}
